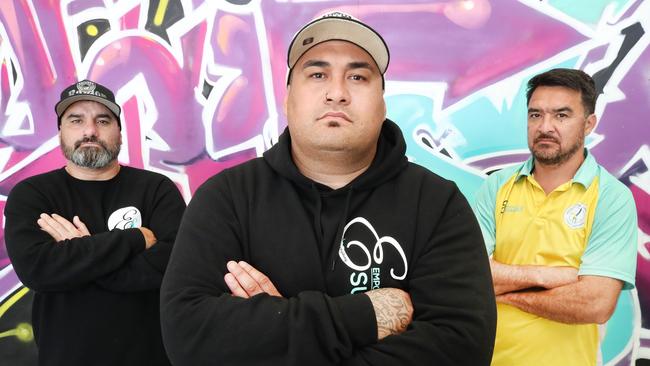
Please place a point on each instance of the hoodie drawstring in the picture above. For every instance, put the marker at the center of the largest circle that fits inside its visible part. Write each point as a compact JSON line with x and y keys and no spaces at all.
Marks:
{"x":317,"y":215}
{"x":339,"y":231}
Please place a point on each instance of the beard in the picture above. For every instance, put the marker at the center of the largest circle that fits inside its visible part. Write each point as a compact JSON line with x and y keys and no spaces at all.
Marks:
{"x":90,"y":156}
{"x":559,"y":156}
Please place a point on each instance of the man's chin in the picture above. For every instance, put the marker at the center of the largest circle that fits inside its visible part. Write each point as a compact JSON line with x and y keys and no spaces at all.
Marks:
{"x":92,"y":164}
{"x":546,"y":157}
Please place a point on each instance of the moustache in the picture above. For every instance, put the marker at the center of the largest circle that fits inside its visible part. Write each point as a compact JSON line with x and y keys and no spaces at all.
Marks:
{"x":545,"y":137}
{"x":93,"y":139}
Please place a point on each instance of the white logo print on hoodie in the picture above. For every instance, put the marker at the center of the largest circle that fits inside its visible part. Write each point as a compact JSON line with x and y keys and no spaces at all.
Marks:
{"x":377,"y":256}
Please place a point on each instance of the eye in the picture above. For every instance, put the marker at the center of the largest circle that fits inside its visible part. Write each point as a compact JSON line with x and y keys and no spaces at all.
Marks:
{"x":562,"y":116}
{"x":317,"y":75}
{"x":104,"y":122}
{"x":534,"y":115}
{"x":357,"y":77}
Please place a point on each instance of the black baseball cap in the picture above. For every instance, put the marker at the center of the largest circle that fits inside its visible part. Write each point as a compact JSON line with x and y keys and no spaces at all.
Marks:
{"x":87,"y":90}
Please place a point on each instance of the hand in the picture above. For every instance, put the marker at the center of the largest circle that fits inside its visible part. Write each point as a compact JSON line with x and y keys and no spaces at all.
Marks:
{"x":552,"y":277}
{"x":149,"y":237}
{"x":61,"y":229}
{"x":393,"y":309}
{"x":245,"y":281}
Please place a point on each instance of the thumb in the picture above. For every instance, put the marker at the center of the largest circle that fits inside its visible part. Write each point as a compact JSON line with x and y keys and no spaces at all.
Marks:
{"x":80,"y":225}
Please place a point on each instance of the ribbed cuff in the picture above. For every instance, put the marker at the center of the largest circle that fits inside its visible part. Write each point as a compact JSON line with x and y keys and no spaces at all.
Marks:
{"x":136,"y":240}
{"x":359,"y":317}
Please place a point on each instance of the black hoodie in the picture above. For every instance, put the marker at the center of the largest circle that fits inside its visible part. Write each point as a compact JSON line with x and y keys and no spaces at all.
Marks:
{"x":396,"y":225}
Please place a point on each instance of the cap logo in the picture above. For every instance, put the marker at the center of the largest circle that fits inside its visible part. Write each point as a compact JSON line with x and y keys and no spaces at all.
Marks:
{"x":86,"y":86}
{"x":307,"y":41}
{"x":337,"y":14}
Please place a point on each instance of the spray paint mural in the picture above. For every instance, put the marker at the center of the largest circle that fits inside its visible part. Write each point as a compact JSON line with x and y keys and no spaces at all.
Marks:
{"x":201,"y":83}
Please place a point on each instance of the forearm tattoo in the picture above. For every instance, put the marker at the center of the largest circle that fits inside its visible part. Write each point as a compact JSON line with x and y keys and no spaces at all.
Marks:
{"x":392,"y":312}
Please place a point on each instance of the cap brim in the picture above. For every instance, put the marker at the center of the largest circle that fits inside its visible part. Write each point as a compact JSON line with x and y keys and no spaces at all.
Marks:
{"x":343,"y":29}
{"x":64,"y":104}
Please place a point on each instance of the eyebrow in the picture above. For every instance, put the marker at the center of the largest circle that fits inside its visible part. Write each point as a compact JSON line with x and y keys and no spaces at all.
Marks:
{"x":349,"y":66}
{"x":315,"y":63}
{"x":563,"y":109}
{"x":79,"y":115}
{"x":360,"y":65}
{"x":73,"y":115}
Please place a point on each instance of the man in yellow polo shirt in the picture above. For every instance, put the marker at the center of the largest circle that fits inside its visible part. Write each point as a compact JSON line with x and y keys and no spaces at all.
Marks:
{"x":561,"y":230}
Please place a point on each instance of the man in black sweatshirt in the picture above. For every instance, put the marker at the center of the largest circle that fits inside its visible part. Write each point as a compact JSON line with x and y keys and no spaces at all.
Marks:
{"x":332,"y":249}
{"x":92,"y":240}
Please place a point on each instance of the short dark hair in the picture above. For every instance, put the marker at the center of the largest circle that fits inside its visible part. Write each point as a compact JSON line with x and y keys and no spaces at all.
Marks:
{"x":573,"y":79}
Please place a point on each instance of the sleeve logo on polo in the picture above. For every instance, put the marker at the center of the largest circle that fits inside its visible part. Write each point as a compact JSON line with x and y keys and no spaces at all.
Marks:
{"x":125,"y":218}
{"x":575,"y":216}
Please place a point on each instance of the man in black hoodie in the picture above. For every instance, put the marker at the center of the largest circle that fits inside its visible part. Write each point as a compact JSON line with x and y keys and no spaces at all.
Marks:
{"x":332,"y":249}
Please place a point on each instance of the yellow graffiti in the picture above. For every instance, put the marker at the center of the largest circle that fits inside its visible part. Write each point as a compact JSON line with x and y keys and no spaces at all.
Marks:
{"x":92,"y":30}
{"x":160,"y":12}
{"x":23,"y":331}
{"x":12,"y":300}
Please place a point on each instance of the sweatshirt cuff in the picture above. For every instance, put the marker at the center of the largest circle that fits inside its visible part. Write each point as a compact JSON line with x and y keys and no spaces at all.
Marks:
{"x":359,"y":317}
{"x":136,"y":240}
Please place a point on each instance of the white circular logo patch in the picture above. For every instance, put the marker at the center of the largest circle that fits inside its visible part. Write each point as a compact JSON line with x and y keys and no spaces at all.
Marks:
{"x":125,"y":218}
{"x":575,"y":216}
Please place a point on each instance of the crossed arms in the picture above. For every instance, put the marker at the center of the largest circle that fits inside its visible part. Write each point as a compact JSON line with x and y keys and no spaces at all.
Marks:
{"x":52,"y":253}
{"x":61,"y":229}
{"x":393,"y":307}
{"x":556,"y":293}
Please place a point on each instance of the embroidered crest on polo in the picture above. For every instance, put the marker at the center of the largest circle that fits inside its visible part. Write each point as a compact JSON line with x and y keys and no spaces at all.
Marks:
{"x":125,"y":218}
{"x":575,"y":216}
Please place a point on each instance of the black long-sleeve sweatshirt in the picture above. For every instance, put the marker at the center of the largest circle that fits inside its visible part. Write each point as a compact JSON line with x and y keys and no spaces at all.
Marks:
{"x":396,"y":225}
{"x":96,"y":297}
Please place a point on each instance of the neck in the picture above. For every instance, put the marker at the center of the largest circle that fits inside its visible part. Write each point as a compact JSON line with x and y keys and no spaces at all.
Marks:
{"x":333,"y":169}
{"x":550,"y":177}
{"x":83,"y":173}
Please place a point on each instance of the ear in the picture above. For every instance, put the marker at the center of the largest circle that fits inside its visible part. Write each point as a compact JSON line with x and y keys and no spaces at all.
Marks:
{"x":590,"y":124}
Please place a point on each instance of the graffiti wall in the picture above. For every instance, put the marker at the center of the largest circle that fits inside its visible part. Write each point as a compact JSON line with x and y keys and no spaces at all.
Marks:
{"x":201,"y":83}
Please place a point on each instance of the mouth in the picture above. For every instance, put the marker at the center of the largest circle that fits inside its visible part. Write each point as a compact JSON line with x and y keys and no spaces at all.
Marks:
{"x":333,"y":116}
{"x":546,"y":140}
{"x":88,"y":143}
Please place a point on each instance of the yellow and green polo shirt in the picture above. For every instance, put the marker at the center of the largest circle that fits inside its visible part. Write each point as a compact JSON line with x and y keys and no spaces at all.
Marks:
{"x":588,"y":223}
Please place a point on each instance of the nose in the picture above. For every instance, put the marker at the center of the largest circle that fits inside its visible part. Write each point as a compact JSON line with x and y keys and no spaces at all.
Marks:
{"x":547,"y":124}
{"x":89,"y":128}
{"x":337,"y":91}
